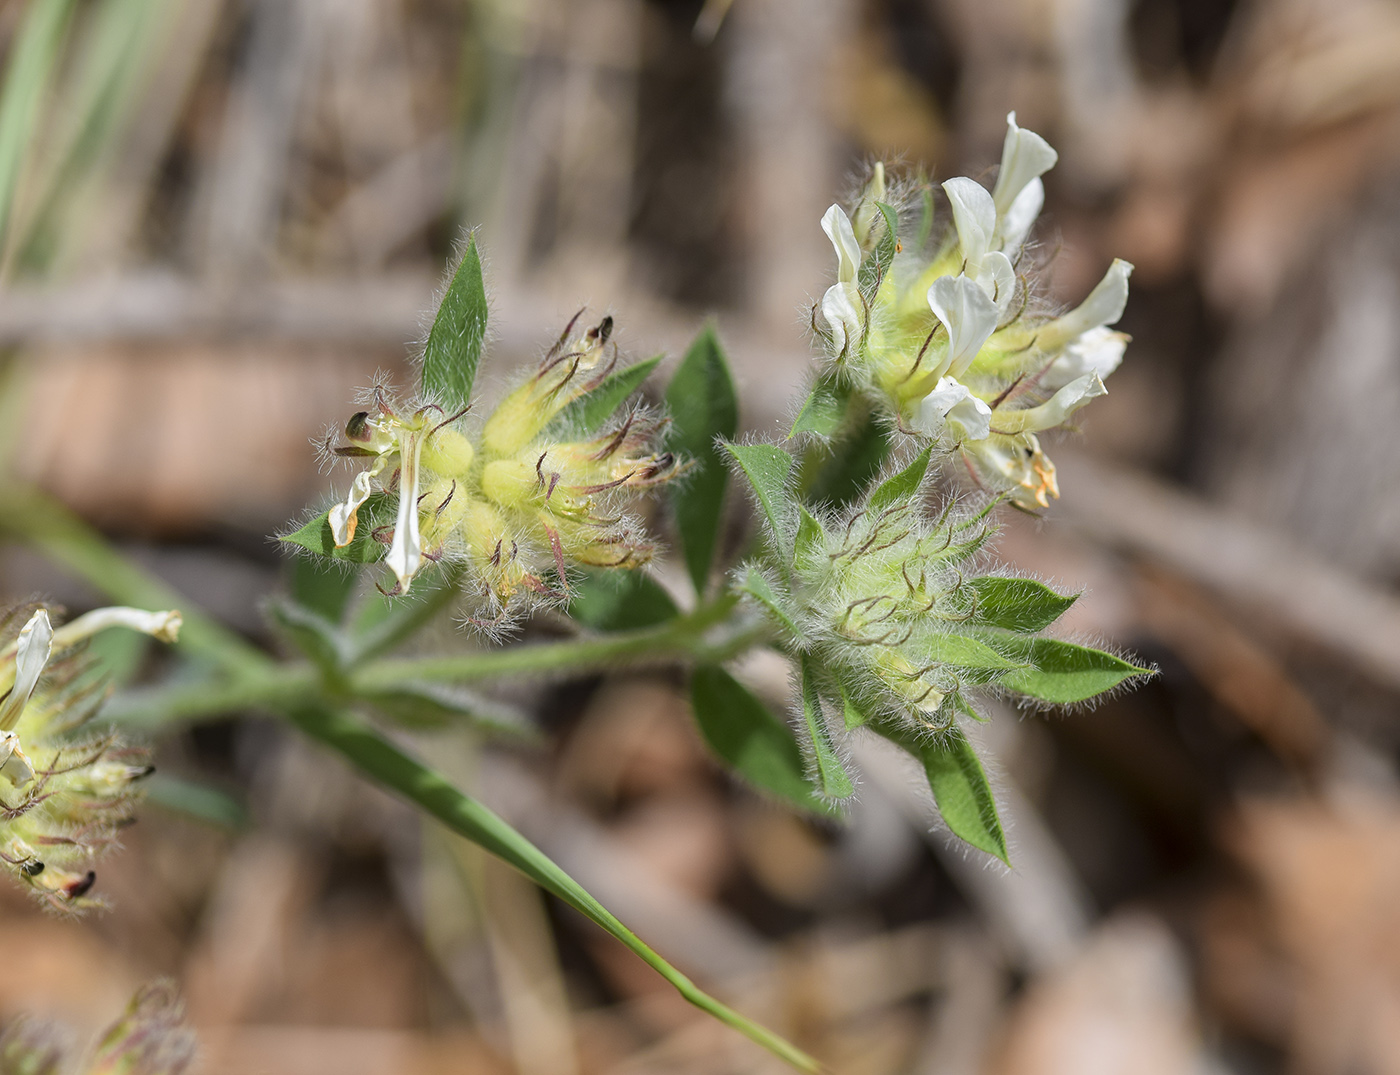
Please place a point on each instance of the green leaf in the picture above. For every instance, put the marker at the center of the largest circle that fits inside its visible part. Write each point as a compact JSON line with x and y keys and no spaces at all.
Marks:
{"x":431,"y":705}
{"x":195,"y":800}
{"x":874,"y":266}
{"x":703,"y":410}
{"x":381,"y":760}
{"x":757,"y":586}
{"x":854,"y":460}
{"x":590,"y":411}
{"x":311,"y":633}
{"x":811,"y":538}
{"x":315,"y":535}
{"x":824,"y":412}
{"x":457,"y":336}
{"x":758,"y":745}
{"x":835,"y":781}
{"x":901,"y":486}
{"x":1060,"y":672}
{"x":961,"y":791}
{"x":768,"y":469}
{"x":961,"y":651}
{"x":1018,"y":604}
{"x":322,"y":587}
{"x":618,"y":600}
{"x":851,"y":712}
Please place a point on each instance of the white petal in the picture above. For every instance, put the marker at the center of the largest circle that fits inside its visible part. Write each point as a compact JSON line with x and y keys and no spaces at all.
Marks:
{"x":164,"y":626}
{"x":32,"y":650}
{"x":1015,"y":224}
{"x":998,"y":280}
{"x":933,"y":410}
{"x":843,"y":315}
{"x":974,"y":216}
{"x":837,"y":226}
{"x":969,"y":315}
{"x":14,"y":763}
{"x":1055,"y":410}
{"x":1024,"y":156}
{"x":406,"y":551}
{"x":1104,"y":306}
{"x":1100,"y":350}
{"x":973,"y":415}
{"x":344,"y":518}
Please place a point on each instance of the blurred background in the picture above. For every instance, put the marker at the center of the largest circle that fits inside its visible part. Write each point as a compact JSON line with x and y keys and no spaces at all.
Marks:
{"x":232,"y":213}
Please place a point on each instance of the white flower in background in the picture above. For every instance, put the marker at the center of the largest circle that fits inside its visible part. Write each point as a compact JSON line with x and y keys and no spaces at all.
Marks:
{"x":951,"y":407}
{"x":841,"y":305}
{"x":975,"y":217}
{"x":1019,"y":193}
{"x":968,"y":314}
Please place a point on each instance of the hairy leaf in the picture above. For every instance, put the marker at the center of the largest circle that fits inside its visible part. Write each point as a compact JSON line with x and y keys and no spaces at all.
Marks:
{"x":901,"y":486}
{"x":1023,"y":605}
{"x":1060,"y":672}
{"x":835,"y":781}
{"x":756,"y":585}
{"x":824,"y":411}
{"x":759,"y":746}
{"x":704,"y":409}
{"x":768,"y":469}
{"x":874,"y":267}
{"x":961,"y":792}
{"x":315,"y":536}
{"x":457,"y":336}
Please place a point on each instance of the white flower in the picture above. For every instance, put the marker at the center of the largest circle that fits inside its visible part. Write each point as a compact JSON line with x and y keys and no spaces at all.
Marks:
{"x":1100,"y":350}
{"x":15,"y":765}
{"x":406,"y":551}
{"x":1104,"y":306}
{"x":31,"y":656}
{"x":975,"y":217}
{"x":1025,"y":157}
{"x":841,"y":305}
{"x":1054,"y":411}
{"x":1017,"y":466}
{"x":969,"y":315}
{"x":951,"y":404}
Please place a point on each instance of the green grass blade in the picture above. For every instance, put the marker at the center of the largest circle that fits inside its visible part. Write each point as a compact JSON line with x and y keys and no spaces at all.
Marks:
{"x":28,"y":66}
{"x":430,"y":791}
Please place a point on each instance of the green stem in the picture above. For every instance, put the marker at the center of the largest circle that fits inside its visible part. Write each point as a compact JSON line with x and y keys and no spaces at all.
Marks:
{"x":430,"y":791}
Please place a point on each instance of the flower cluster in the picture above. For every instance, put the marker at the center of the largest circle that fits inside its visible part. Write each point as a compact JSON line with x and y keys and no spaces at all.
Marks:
{"x":63,"y":794}
{"x":946,"y":340}
{"x":533,"y":491}
{"x":149,"y":1039}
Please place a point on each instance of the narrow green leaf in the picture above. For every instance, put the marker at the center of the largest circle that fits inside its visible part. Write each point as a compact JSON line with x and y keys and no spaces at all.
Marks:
{"x":1018,"y":604}
{"x":878,"y":261}
{"x":457,"y":336}
{"x":757,"y":744}
{"x":757,"y":586}
{"x":835,"y":781}
{"x":1060,"y":672}
{"x":704,"y":409}
{"x":768,"y":469}
{"x":617,"y":600}
{"x":962,"y":652}
{"x":824,"y":411}
{"x":961,"y":791}
{"x":902,"y":486}
{"x":381,"y":760}
{"x":195,"y":800}
{"x":312,"y":633}
{"x":315,"y":535}
{"x":853,"y":462}
{"x":851,"y":711}
{"x":590,"y":411}
{"x":321,"y":586}
{"x":28,"y":65}
{"x":811,"y":538}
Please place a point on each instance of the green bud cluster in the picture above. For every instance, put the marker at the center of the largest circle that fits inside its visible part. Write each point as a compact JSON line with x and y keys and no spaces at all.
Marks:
{"x":65,"y":792}
{"x":149,"y":1039}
